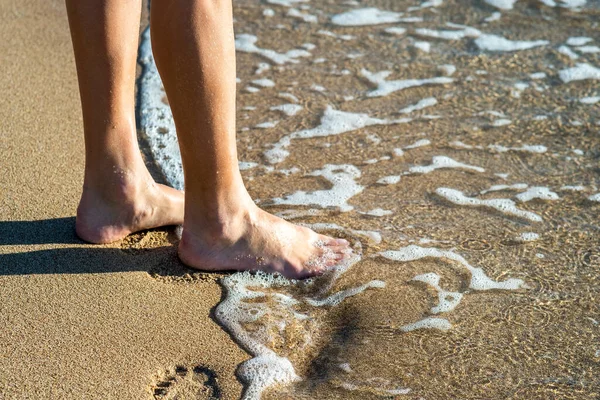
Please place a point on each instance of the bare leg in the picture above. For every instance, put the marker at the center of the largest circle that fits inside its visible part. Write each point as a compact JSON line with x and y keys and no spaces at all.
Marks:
{"x":194,"y":50}
{"x":119,"y":195}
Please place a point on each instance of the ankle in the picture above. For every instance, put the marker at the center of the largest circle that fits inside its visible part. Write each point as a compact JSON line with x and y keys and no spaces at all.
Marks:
{"x":218,"y":223}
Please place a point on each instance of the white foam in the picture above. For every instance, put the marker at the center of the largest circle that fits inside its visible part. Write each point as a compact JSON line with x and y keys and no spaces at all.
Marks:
{"x":378,"y":212}
{"x":395,"y":30}
{"x":537,"y":148}
{"x":496,"y":188}
{"x":505,"y":206}
{"x":286,"y":3}
{"x":588,"y":49}
{"x":288,"y":109}
{"x":428,"y":323}
{"x":244,"y":165}
{"x":365,"y":16}
{"x":333,"y":122}
{"x":418,"y":143}
{"x":568,"y":52}
{"x":389,"y":180}
{"x":423,"y":46}
{"x":156,"y":120}
{"x":267,"y":125}
{"x":386,"y":87}
{"x":448,"y":34}
{"x":421,"y":104}
{"x":501,"y":122}
{"x":447,"y":301}
{"x":538,"y":75}
{"x":579,"y":72}
{"x":479,"y":280}
{"x":594,"y":197}
{"x":448,"y":69}
{"x":262,"y":67}
{"x":575,"y":188}
{"x":247,"y":43}
{"x":251,"y":89}
{"x":498,"y":43}
{"x":317,"y":88}
{"x":268,"y":12}
{"x":578,"y":40}
{"x":537,"y":192}
{"x":295,"y":13}
{"x":528,"y":237}
{"x":243,"y":304}
{"x":371,"y":236}
{"x":342,"y":177}
{"x":333,"y":35}
{"x":494,"y":17}
{"x":502,"y":4}
{"x":264,"y":82}
{"x":340,"y":296}
{"x":439,"y":162}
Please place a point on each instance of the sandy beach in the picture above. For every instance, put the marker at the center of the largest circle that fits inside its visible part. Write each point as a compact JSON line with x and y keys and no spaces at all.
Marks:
{"x":82,"y":321}
{"x":455,"y":144}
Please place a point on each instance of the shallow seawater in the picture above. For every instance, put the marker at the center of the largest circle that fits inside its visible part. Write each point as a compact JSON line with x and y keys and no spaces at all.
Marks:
{"x":476,"y":156}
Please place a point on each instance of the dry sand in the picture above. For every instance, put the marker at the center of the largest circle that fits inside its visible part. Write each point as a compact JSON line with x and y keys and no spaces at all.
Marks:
{"x":81,"y":321}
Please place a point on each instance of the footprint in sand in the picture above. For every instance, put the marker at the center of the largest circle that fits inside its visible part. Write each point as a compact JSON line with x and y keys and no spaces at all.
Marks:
{"x":186,"y":383}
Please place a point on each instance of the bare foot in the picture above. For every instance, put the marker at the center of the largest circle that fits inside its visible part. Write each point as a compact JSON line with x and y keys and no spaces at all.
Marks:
{"x":257,"y":240}
{"x":114,"y":211}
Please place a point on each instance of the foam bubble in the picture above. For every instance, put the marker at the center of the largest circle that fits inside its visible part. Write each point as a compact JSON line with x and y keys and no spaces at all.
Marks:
{"x":423,"y":46}
{"x":498,"y":43}
{"x":447,"y":301}
{"x":568,"y":52}
{"x":365,"y":16}
{"x":268,"y":12}
{"x":395,"y":30}
{"x":378,"y":212}
{"x":578,"y":40}
{"x":594,"y":197}
{"x":588,"y":49}
{"x":389,"y":180}
{"x":244,"y":165}
{"x":267,"y":125}
{"x":576,"y":188}
{"x":156,"y":120}
{"x":386,"y":87}
{"x":514,"y":186}
{"x":418,"y":143}
{"x":537,"y":192}
{"x":449,"y":34}
{"x":288,"y":109}
{"x":439,"y":162}
{"x":428,"y":323}
{"x":479,"y":280}
{"x":448,"y":69}
{"x":295,"y":13}
{"x":266,"y":83}
{"x":286,"y":3}
{"x":421,"y":104}
{"x":538,"y":148}
{"x":538,"y":75}
{"x":342,"y":177}
{"x":333,"y":122}
{"x":505,"y":206}
{"x":247,"y":43}
{"x":528,"y":237}
{"x":262,"y":67}
{"x":502,"y":4}
{"x":494,"y":17}
{"x":579,"y":72}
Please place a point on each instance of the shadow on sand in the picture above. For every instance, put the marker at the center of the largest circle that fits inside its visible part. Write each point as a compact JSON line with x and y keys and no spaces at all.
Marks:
{"x":77,"y":257}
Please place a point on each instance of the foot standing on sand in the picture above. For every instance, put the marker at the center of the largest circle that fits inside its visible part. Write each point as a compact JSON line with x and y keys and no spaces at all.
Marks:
{"x":193,"y":45}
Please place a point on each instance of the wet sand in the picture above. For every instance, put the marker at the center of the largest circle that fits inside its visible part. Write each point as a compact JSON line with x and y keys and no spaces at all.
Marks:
{"x":82,"y":321}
